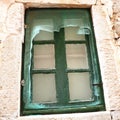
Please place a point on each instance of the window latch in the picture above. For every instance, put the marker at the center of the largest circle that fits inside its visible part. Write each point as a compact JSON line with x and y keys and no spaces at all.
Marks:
{"x":22,"y":82}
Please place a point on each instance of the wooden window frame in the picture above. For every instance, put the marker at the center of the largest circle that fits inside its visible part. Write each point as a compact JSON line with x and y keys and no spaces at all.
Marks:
{"x":97,"y":104}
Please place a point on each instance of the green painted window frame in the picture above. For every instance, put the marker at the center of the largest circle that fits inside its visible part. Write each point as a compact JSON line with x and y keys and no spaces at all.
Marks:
{"x":96,"y":104}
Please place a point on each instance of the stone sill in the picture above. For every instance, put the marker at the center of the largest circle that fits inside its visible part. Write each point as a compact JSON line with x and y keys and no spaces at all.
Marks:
{"x":73,"y":116}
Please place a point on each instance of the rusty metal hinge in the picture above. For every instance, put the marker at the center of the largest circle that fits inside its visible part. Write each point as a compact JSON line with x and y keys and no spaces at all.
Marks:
{"x":25,"y":26}
{"x":22,"y":82}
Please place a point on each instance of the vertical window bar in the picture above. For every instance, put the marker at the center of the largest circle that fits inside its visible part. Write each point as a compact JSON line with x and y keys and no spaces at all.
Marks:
{"x":61,"y":74}
{"x":90,"y":63}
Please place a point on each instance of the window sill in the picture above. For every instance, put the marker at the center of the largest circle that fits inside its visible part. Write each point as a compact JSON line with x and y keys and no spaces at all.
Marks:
{"x":105,"y":115}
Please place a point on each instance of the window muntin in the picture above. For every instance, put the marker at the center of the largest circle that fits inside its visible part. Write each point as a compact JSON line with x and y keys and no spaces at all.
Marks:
{"x":61,"y":44}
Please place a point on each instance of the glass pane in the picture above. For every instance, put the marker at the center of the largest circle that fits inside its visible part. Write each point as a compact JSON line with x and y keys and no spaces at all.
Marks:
{"x":44,"y":56}
{"x":79,"y":86}
{"x":44,"y":90}
{"x":76,"y":56}
{"x":71,"y":33}
{"x":44,"y":35}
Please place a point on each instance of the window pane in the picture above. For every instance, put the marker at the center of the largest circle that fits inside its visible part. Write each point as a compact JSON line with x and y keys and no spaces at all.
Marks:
{"x":44,"y":57}
{"x":44,"y":90}
{"x":79,"y":86}
{"x":71,"y":33}
{"x":76,"y":56}
{"x":44,"y":35}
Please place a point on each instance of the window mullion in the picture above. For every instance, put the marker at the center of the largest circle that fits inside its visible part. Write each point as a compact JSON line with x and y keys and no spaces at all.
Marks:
{"x":61,"y":74}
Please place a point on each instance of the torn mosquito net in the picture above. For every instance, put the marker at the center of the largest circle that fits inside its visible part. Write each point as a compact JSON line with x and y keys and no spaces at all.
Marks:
{"x":50,"y":25}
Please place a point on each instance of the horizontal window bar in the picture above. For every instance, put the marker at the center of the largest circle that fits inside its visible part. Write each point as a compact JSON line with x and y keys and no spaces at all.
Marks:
{"x":75,"y":42}
{"x":78,"y":70}
{"x":43,"y":71}
{"x":69,"y":109}
{"x":97,"y":84}
{"x":44,"y":42}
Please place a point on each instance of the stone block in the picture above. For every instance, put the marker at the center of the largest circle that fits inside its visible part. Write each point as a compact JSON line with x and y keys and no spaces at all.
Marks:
{"x":116,"y":6}
{"x":9,"y":105}
{"x":4,"y":4}
{"x":117,"y":27}
{"x":109,"y":6}
{"x":15,"y":19}
{"x":115,"y":115}
{"x":10,"y":76}
{"x":111,"y":84}
{"x":116,"y":18}
{"x":58,"y":3}
{"x":101,"y":23}
{"x":104,"y":39}
{"x":77,"y":116}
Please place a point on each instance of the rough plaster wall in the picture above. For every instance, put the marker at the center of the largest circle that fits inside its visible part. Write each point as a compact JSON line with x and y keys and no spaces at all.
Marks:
{"x":11,"y":38}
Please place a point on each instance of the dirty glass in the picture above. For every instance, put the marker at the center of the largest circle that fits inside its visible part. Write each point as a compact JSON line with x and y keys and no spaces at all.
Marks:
{"x":79,"y":86}
{"x":76,"y":55}
{"x":44,"y":90}
{"x":44,"y":57}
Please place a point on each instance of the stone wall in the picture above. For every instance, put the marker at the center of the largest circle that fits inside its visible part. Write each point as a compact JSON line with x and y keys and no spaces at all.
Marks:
{"x":106,"y":23}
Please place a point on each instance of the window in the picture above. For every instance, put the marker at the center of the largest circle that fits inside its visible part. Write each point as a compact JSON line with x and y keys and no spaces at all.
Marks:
{"x":61,"y":70}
